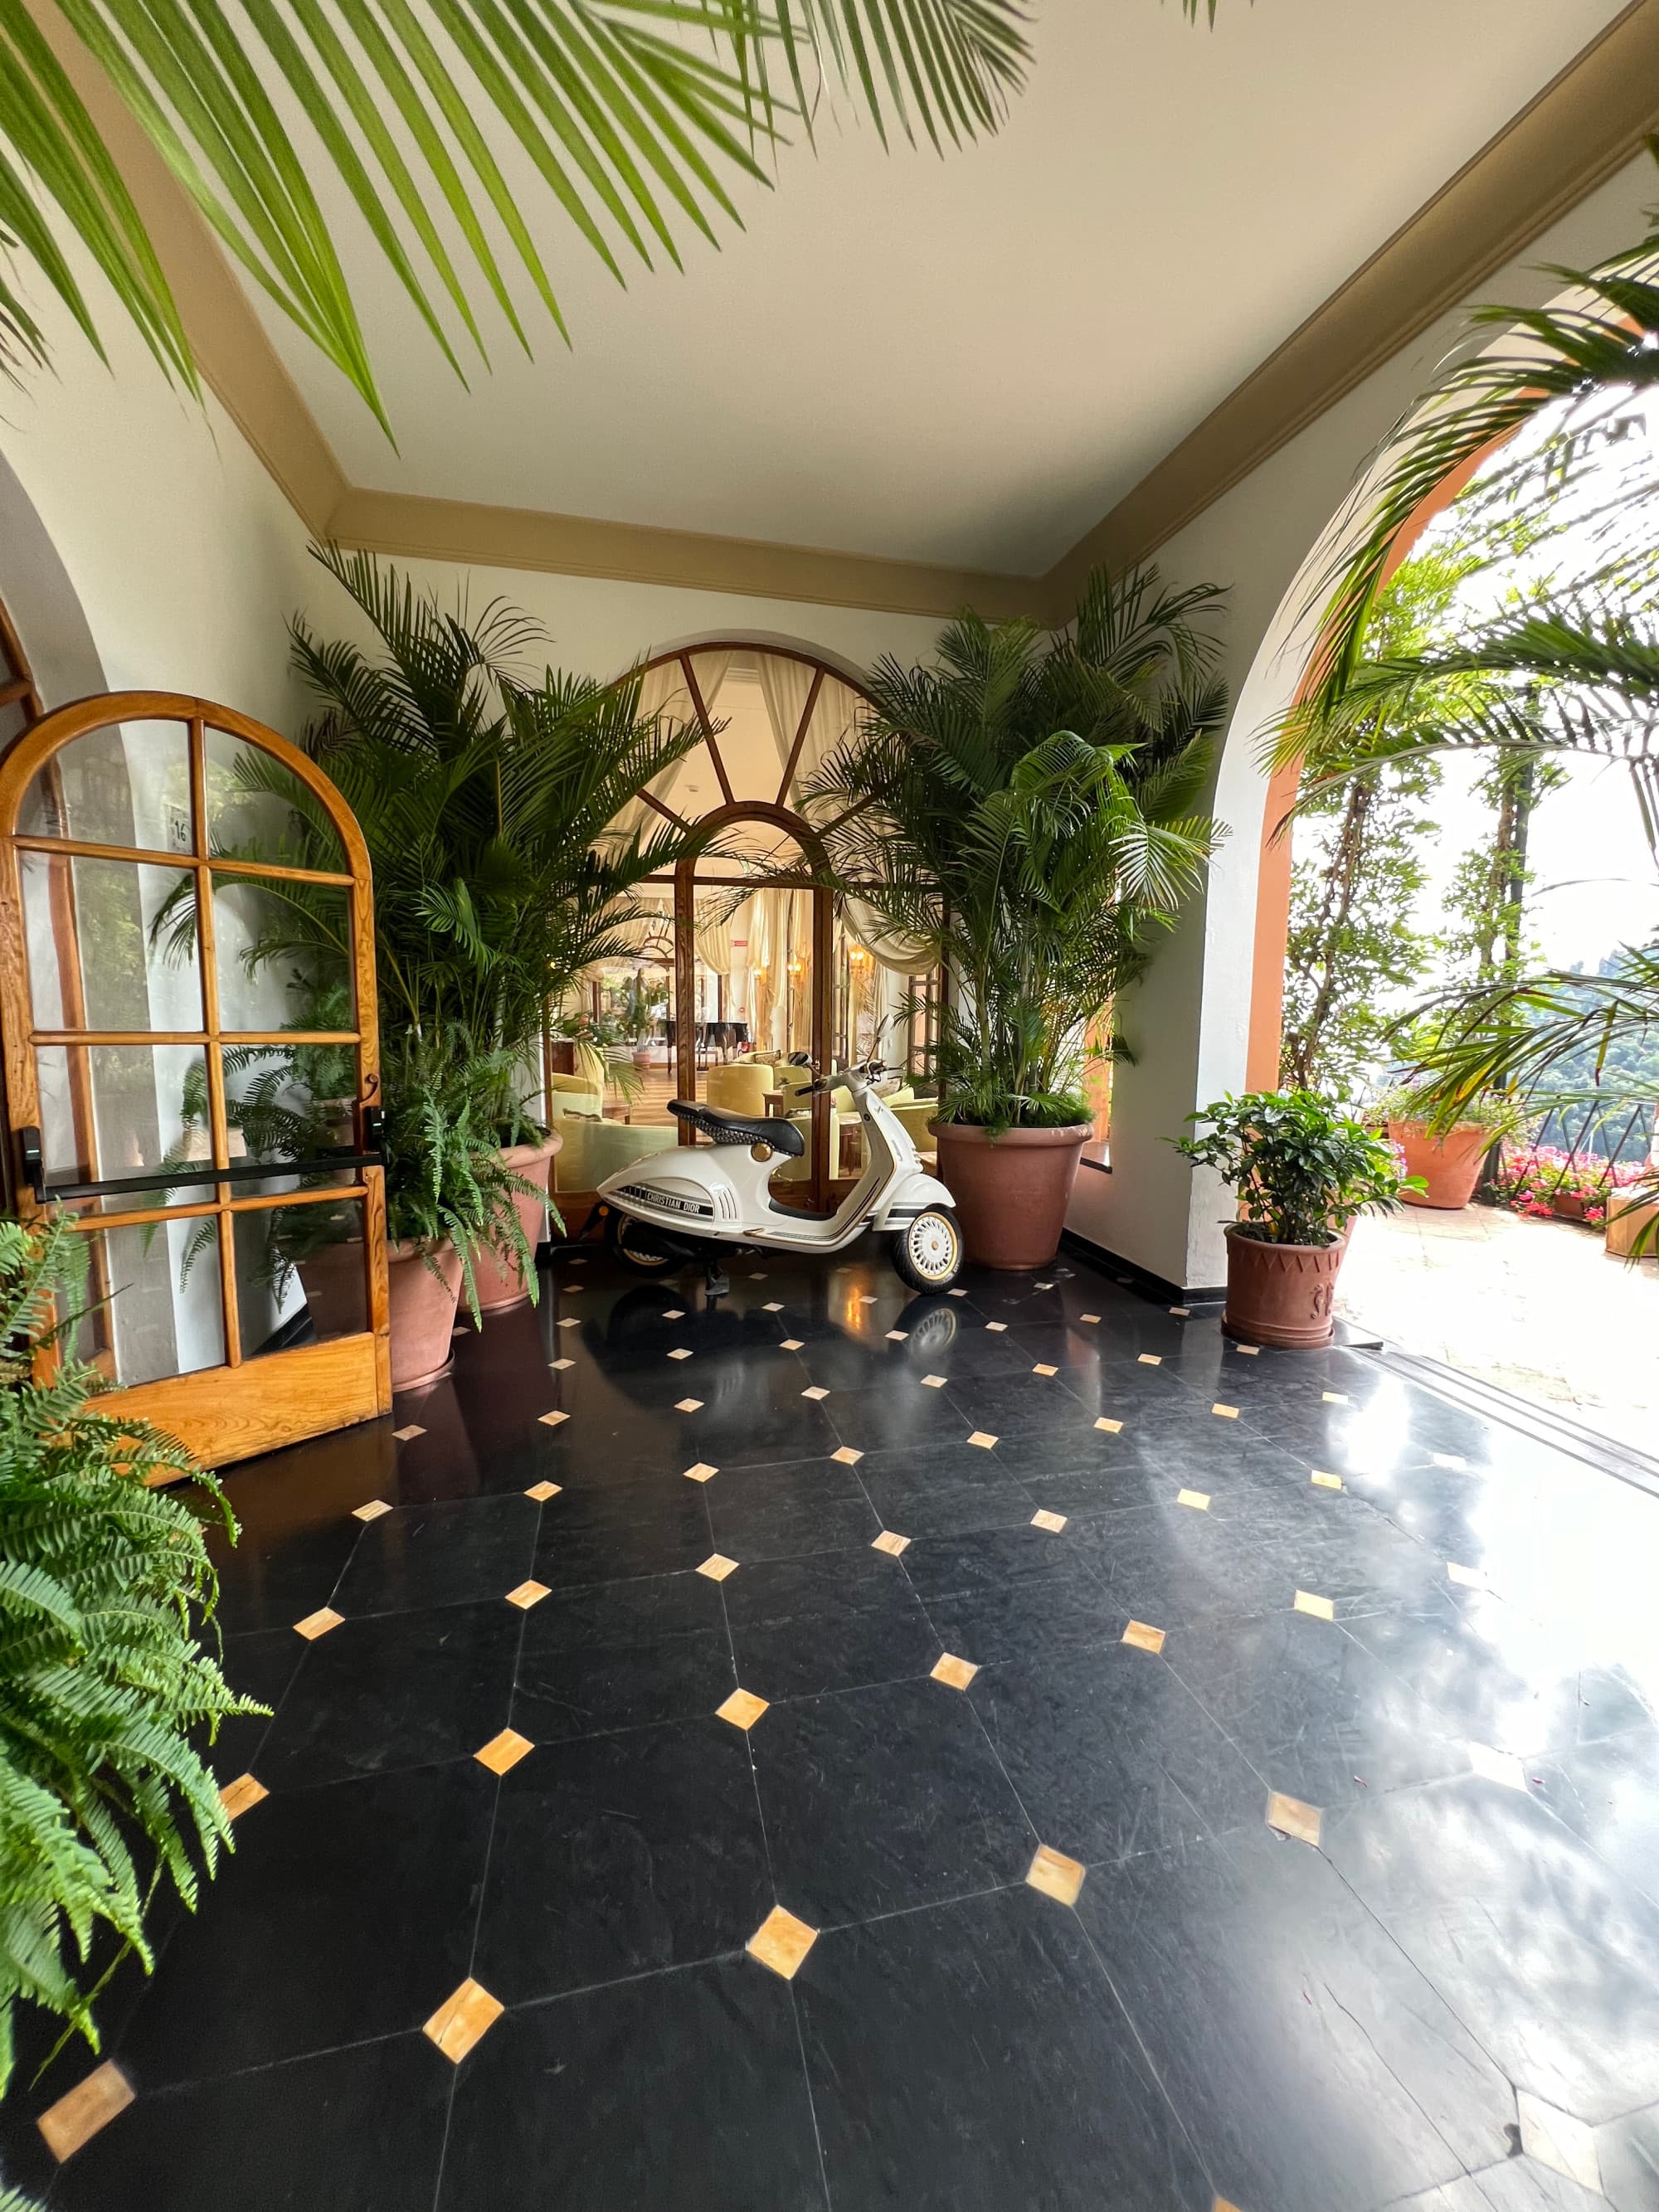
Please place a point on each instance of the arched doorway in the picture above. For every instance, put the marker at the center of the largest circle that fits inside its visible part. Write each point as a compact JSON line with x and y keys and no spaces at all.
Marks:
{"x":193,"y":1078}
{"x":758,"y":986}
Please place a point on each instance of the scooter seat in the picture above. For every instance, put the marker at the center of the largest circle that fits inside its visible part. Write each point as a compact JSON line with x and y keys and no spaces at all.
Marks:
{"x":723,"y":1128}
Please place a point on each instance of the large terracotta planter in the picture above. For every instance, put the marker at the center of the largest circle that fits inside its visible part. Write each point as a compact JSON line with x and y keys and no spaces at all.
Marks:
{"x":501,"y":1287}
{"x":423,"y":1312}
{"x":1450,"y":1165}
{"x":1012,"y":1195}
{"x":1281,"y":1294}
{"x":335,"y":1282}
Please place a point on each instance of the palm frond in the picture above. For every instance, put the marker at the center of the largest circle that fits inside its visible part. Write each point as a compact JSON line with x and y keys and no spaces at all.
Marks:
{"x":632,"y":113}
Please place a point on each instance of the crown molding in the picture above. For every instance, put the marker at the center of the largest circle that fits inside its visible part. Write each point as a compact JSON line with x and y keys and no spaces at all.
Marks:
{"x":416,"y":527}
{"x":1588,"y":121}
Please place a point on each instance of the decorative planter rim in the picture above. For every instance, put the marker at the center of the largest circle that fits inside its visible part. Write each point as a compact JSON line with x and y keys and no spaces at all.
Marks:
{"x":1271,"y":1244}
{"x":1439,"y":1136}
{"x":515,"y":1154}
{"x":415,"y":1247}
{"x":975,"y":1133}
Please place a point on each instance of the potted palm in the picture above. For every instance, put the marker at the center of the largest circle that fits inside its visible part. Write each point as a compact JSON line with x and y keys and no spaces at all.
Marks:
{"x":1024,"y":814}
{"x":490,"y":798}
{"x":451,"y":1202}
{"x":1302,"y":1171}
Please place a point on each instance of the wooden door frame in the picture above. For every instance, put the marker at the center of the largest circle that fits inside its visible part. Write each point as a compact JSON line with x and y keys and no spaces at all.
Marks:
{"x":685,"y":966}
{"x":310,"y":1389}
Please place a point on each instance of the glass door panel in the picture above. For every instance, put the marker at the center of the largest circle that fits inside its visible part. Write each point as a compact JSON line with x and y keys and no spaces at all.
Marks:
{"x":190,"y":1081}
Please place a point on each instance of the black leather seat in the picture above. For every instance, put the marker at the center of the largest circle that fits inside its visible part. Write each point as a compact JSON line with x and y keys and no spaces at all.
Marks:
{"x":722,"y":1129}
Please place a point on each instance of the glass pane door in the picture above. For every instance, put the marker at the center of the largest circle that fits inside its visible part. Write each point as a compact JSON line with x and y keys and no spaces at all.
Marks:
{"x":186,"y":984}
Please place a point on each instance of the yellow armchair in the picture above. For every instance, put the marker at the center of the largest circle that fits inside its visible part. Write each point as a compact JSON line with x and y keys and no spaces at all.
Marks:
{"x":737,"y":1086}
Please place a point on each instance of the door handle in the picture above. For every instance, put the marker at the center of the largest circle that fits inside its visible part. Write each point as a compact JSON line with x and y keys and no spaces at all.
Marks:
{"x":31,"y":1162}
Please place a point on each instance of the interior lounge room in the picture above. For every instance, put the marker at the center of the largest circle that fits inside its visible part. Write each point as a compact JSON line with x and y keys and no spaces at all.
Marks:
{"x":829,"y":1049}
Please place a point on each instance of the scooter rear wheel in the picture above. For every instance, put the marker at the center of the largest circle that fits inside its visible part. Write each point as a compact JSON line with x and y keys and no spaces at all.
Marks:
{"x":927,"y":1253}
{"x":631,"y":1243}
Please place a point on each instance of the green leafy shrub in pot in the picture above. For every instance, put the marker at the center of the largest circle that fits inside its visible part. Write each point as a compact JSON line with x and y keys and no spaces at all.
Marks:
{"x":1302,"y":1171}
{"x":106,"y":1690}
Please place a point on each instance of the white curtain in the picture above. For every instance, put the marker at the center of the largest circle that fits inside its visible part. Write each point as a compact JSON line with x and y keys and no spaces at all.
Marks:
{"x":662,"y":691}
{"x":835,"y":717}
{"x":905,"y":956}
{"x":714,"y":934}
{"x":786,"y":686}
{"x":711,"y":671}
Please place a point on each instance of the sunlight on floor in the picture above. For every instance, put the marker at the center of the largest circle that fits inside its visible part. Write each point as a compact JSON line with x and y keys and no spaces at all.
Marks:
{"x":1536,"y":1307}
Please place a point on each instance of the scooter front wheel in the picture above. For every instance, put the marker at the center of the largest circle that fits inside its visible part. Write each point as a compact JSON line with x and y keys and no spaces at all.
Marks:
{"x":927,"y":1253}
{"x":632,"y":1242}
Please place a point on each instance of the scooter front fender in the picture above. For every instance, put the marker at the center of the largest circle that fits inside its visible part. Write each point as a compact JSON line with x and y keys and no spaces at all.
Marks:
{"x":912,"y":1194}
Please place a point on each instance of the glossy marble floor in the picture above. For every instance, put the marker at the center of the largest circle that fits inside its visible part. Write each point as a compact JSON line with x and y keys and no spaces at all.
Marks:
{"x":1008,"y":1753}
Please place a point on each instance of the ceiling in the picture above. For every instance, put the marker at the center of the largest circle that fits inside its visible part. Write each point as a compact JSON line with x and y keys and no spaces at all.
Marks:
{"x":969,"y":360}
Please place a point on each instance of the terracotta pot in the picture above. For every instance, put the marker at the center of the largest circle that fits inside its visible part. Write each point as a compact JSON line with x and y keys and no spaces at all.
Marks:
{"x":1282,"y":1294}
{"x":1450,"y":1165}
{"x":1627,"y":1221}
{"x":422,"y":1309}
{"x":503,"y":1286}
{"x":1012,"y":1195}
{"x":1568,"y":1205}
{"x":336,"y":1291}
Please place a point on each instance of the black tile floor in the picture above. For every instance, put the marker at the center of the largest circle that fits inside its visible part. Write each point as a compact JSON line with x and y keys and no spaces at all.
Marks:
{"x":1435,"y":1983}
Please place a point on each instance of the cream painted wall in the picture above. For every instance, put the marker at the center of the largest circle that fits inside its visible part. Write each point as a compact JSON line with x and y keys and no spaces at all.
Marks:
{"x":184,"y":556}
{"x":1189,"y":1019}
{"x":599,"y":627}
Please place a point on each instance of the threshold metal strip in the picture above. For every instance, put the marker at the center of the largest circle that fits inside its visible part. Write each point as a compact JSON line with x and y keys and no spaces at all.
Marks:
{"x":1472,"y":1393}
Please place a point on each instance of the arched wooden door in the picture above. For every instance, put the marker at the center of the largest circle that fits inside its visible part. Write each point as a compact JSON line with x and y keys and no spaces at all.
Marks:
{"x":192,"y":1077}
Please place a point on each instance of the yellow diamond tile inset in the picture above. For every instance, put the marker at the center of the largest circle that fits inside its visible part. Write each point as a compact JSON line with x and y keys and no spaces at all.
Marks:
{"x":1334,"y":1397}
{"x":526,"y":1595}
{"x":552,"y":1420}
{"x":462,"y":2019}
{"x":503,"y":1751}
{"x":932,"y":1381}
{"x":541,"y":1491}
{"x":571,"y":1321}
{"x":1497,"y":1766}
{"x":781,"y":1942}
{"x":1093,"y":1320}
{"x":319,"y":1623}
{"x":1226,"y":1412}
{"x":1055,"y":1875}
{"x":559,"y":1366}
{"x":1320,"y":1608}
{"x":701,"y":1472}
{"x":688,"y":1405}
{"x":1040,"y":1368}
{"x":1292,"y":1818}
{"x":898,"y":1336}
{"x":371,"y":1511}
{"x":955,"y":1674}
{"x":681,"y":1352}
{"x":403,"y":1436}
{"x":792,"y":1344}
{"x":1054,"y":1522}
{"x":1144,"y":1637}
{"x":1249,"y":1351}
{"x":1180,"y":1313}
{"x":997,"y":1327}
{"x":814,"y":1391}
{"x":675,"y":1313}
{"x":1152,"y":1359}
{"x":847,"y":1456}
{"x":76,"y":2117}
{"x":772,"y":1305}
{"x":891,"y":1543}
{"x":743,"y":1708}
{"x":1326,"y":1481}
{"x":983,"y":1438}
{"x":717,"y":1566}
{"x":241,"y":1796}
{"x":1108,"y":1428}
{"x":1198,"y":1499}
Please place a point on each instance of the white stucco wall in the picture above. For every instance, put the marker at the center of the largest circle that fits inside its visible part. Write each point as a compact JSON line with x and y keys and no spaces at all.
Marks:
{"x":1189,"y":1019}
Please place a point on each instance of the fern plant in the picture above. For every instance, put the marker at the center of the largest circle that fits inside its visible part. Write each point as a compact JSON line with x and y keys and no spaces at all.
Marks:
{"x":106,"y":1690}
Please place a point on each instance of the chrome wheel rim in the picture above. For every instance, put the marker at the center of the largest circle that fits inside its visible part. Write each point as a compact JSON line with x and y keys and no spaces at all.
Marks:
{"x":930,"y":1245}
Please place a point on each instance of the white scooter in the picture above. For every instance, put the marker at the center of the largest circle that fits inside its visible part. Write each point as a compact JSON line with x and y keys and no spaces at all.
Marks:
{"x":700,"y":1201}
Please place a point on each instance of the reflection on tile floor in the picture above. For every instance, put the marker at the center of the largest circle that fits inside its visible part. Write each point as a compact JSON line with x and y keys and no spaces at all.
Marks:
{"x":992,"y":1783}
